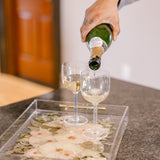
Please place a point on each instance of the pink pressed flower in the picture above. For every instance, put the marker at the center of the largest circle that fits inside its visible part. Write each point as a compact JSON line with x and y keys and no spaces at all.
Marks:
{"x":71,"y":137}
{"x":66,"y":154}
{"x":81,"y":129}
{"x":32,"y":153}
{"x":69,"y":154}
{"x":41,"y":133}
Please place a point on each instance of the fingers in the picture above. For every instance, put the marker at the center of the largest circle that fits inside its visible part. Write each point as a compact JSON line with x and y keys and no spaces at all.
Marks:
{"x":85,"y":29}
{"x":116,"y":30}
{"x":88,"y":24}
{"x":98,"y":14}
{"x":84,"y":33}
{"x":114,"y":22}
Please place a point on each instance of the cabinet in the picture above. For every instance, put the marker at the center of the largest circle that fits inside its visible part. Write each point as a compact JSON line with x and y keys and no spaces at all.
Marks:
{"x":33,"y":39}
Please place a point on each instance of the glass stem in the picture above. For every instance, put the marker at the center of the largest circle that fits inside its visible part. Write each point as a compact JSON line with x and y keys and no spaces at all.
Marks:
{"x":76,"y":118}
{"x":95,"y":117}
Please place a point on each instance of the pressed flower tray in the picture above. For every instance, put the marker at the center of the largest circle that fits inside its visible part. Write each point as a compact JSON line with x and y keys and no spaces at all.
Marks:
{"x":41,"y":134}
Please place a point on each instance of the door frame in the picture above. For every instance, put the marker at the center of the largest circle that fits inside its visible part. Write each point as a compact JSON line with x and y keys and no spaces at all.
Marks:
{"x":2,"y":39}
{"x":10,"y":41}
{"x":10,"y":38}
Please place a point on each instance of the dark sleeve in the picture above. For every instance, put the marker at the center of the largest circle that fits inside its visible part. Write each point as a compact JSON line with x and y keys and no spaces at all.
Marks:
{"x":122,"y":3}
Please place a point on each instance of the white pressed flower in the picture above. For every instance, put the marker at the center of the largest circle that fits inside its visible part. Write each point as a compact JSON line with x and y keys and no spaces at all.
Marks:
{"x":90,"y":148}
{"x":81,"y":129}
{"x":70,"y":137}
{"x":67,"y":154}
{"x":96,"y":158}
{"x":56,"y":122}
{"x":57,"y":150}
{"x":41,"y":133}
{"x":32,"y":153}
{"x":88,"y":152}
{"x":36,"y":141}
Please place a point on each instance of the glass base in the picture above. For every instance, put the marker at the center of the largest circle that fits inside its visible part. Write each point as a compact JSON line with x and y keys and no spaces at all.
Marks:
{"x":96,"y":134}
{"x":70,"y":120}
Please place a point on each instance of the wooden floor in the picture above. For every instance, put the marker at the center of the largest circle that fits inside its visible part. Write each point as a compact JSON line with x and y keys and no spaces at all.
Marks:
{"x":14,"y":89}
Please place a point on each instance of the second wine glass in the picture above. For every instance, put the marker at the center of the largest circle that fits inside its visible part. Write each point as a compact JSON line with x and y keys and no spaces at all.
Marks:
{"x":95,"y":87}
{"x":71,"y":80}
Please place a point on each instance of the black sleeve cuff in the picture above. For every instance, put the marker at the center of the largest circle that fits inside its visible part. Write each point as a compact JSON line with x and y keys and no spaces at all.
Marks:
{"x":118,"y":2}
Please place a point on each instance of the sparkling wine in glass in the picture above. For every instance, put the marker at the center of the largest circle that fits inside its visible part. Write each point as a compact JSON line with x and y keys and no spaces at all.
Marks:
{"x":71,"y":80}
{"x":95,"y":87}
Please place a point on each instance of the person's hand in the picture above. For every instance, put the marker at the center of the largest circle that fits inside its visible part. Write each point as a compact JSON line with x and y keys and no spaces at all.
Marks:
{"x":102,"y":11}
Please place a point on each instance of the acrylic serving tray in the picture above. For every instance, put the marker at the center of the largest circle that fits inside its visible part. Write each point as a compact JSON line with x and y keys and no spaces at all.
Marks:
{"x":40,"y":133}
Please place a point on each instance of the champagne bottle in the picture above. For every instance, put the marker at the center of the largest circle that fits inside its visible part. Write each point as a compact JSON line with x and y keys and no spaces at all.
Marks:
{"x":99,"y":39}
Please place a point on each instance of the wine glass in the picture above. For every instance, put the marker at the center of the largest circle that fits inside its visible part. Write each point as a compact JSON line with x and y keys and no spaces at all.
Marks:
{"x":95,"y":87}
{"x":71,"y":80}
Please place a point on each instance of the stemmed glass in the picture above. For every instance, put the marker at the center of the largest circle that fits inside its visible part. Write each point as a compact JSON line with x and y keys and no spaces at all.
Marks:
{"x":95,"y":87}
{"x":71,"y":80}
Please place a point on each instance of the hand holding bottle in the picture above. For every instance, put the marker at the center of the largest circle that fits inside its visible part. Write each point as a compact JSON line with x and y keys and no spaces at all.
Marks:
{"x":102,"y":11}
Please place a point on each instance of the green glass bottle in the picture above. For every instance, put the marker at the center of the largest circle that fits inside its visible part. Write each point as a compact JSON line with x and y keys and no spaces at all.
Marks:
{"x":99,"y":39}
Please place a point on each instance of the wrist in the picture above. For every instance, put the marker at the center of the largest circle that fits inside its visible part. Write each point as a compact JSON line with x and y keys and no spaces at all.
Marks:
{"x":116,"y":2}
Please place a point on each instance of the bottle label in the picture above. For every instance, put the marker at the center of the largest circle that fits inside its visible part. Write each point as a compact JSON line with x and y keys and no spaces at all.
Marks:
{"x":97,"y":42}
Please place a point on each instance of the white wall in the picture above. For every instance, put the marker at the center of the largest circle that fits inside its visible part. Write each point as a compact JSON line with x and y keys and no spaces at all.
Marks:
{"x":135,"y":56}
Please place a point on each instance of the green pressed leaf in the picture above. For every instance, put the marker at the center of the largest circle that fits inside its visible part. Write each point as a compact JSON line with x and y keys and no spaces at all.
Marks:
{"x":87,"y":145}
{"x":46,"y":127}
{"x":105,"y":154}
{"x":110,"y":133}
{"x":53,"y":113}
{"x":85,"y":157}
{"x":92,"y":146}
{"x":35,"y":123}
{"x":33,"y":128}
{"x":25,"y":135}
{"x":18,"y":150}
{"x":10,"y":152}
{"x":76,"y":158}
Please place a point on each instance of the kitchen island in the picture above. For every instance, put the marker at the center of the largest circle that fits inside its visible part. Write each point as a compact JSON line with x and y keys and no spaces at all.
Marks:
{"x":141,"y":140}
